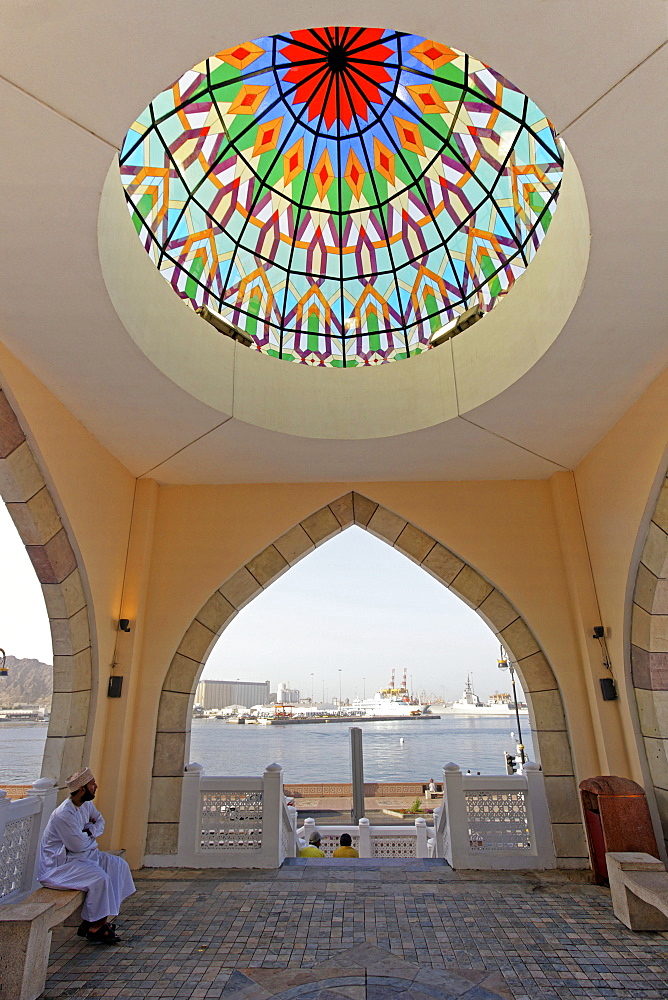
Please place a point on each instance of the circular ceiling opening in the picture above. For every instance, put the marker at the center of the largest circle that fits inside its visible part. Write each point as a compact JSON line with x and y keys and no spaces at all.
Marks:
{"x":342,"y":194}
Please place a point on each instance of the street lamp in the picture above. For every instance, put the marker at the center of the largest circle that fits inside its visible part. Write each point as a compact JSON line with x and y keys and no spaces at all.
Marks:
{"x":339,"y":669}
{"x":311,"y":688}
{"x":504,"y":664}
{"x":364,"y":689}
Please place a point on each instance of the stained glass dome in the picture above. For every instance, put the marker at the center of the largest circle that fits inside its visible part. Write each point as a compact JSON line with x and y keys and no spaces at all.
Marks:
{"x":341,"y":193}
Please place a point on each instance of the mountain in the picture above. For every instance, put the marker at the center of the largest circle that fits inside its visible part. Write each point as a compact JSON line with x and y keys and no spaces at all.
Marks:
{"x":28,"y":682}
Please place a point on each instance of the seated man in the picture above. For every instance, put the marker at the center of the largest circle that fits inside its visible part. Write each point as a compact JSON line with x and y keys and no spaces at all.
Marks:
{"x":346,"y":850}
{"x":313,"y":849}
{"x":69,"y":858}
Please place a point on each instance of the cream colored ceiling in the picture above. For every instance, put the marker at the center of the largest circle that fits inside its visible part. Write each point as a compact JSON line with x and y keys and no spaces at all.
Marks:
{"x":75,"y":75}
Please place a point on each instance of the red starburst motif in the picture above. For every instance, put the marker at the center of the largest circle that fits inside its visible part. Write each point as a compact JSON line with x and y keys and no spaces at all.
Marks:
{"x":337,"y":71}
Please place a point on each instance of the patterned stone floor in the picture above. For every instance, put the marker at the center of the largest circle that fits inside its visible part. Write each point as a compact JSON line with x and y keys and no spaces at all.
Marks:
{"x":364,"y":931}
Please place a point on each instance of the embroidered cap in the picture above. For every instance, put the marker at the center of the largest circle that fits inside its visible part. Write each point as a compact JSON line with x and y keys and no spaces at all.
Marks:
{"x":79,"y":779}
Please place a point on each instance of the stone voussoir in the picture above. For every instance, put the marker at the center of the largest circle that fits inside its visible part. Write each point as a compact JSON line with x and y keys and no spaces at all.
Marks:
{"x":267,"y":565}
{"x":363,"y":509}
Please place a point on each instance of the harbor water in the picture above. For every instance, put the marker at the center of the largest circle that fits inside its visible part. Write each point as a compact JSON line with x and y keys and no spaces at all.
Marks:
{"x":401,"y":750}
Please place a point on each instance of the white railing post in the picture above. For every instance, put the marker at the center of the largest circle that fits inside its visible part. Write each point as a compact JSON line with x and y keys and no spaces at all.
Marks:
{"x":540,"y":827}
{"x":421,"y":849}
{"x":46,"y":790}
{"x":364,"y":845}
{"x":456,"y":848}
{"x":272,"y":814}
{"x":309,"y":827}
{"x":190,"y":832}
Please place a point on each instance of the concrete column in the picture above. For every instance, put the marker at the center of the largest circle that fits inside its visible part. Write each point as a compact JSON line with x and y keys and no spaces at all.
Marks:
{"x":272,"y":814}
{"x":609,"y":754}
{"x":541,"y":828}
{"x":457,"y":844}
{"x":357,"y":768}
{"x":123,"y":728}
{"x":189,"y":821}
{"x":364,"y":849}
{"x":421,"y":849}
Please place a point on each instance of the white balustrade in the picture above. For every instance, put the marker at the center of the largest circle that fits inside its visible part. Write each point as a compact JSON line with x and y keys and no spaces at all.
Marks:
{"x":485,"y":822}
{"x":372,"y":841}
{"x":22,"y":822}
{"x":489,"y":822}
{"x":231,"y":822}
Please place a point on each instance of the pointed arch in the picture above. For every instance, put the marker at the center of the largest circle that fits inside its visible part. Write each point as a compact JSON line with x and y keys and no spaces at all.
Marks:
{"x":35,"y":515}
{"x":649,"y":651}
{"x":547,"y":715}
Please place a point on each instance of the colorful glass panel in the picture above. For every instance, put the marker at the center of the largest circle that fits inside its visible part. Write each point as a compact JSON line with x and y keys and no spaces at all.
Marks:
{"x":341,"y":193}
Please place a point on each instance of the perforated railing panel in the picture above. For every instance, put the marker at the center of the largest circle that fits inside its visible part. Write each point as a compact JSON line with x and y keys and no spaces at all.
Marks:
{"x":330,"y":842}
{"x":497,"y":821}
{"x":286,"y":839}
{"x":393,"y":847}
{"x":231,"y":821}
{"x":14,"y":854}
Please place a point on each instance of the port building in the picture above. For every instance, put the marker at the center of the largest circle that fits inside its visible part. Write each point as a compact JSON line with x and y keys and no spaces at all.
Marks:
{"x":212,"y":694}
{"x":286,"y":695}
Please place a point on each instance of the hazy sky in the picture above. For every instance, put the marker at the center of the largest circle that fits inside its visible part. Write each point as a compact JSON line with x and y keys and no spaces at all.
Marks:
{"x":354,"y":604}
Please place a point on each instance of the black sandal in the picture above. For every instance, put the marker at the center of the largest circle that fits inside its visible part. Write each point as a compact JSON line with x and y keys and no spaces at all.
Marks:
{"x":104,"y":935}
{"x":84,"y":927}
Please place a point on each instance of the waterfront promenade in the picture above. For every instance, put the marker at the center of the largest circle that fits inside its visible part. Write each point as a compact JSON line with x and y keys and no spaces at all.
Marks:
{"x":364,"y":930}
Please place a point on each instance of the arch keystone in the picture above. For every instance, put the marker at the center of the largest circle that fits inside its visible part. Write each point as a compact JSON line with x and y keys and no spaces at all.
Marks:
{"x":363,"y":509}
{"x":343,"y":510}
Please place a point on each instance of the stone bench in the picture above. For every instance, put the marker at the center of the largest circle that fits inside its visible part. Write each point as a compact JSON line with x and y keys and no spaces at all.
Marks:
{"x":25,"y":938}
{"x":639,"y":888}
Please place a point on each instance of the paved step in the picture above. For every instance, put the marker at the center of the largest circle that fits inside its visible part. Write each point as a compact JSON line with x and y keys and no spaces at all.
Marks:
{"x":370,"y":864}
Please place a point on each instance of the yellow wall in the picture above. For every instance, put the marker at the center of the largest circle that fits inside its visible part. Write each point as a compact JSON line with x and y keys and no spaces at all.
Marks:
{"x":533,"y":540}
{"x":93,"y":493}
{"x":617,"y":485}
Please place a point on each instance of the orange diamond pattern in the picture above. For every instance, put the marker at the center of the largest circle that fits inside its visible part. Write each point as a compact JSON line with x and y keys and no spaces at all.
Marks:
{"x":383,"y":160}
{"x":409,"y":135}
{"x":248,"y":100}
{"x":241,"y":55}
{"x":428,"y":99}
{"x":293,"y":162}
{"x":433,"y":54}
{"x":354,"y":174}
{"x":323,"y":174}
{"x":267,"y":136}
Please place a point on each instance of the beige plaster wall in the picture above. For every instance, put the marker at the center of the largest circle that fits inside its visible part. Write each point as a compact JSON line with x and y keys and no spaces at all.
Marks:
{"x":507,"y":531}
{"x":624,"y":514}
{"x":545,"y":702}
{"x":93,"y":495}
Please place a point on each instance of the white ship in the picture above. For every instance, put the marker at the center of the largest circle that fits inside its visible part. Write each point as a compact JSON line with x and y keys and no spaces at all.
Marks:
{"x":470,"y":704}
{"x":392,"y":700}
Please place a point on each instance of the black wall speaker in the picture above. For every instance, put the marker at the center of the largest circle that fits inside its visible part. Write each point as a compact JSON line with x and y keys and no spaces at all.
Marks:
{"x":608,"y":689}
{"x":115,"y":687}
